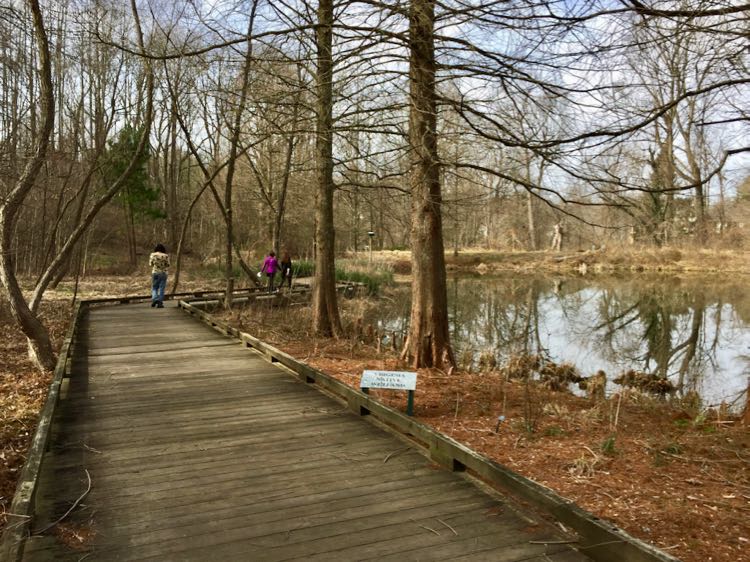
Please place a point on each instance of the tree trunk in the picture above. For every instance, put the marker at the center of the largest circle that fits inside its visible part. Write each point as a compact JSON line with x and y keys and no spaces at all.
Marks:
{"x":232,"y":161}
{"x":40,"y":345}
{"x":173,"y":218}
{"x":530,"y":215}
{"x":281,"y":199}
{"x":130,"y":234}
{"x":326,"y":321}
{"x":428,"y":342}
{"x":69,"y":245}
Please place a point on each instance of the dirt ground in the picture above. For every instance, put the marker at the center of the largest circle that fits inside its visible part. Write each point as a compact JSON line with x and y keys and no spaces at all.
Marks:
{"x":664,"y":471}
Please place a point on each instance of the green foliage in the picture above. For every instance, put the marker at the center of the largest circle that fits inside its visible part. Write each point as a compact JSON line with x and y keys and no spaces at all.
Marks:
{"x":608,"y":446}
{"x":708,"y":428}
{"x":371,"y":279}
{"x":137,"y":193}
{"x":218,"y":271}
{"x":554,"y":431}
{"x":660,"y":454}
{"x":302,"y":268}
{"x":673,"y":449}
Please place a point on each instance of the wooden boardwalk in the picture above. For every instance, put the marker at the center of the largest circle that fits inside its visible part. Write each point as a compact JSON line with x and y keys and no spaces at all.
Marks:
{"x":195,"y":448}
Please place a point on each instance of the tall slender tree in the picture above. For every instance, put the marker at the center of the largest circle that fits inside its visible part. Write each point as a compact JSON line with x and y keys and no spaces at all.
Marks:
{"x":233,"y":153}
{"x":40,"y":345}
{"x":428,"y":343}
{"x":326,"y":319}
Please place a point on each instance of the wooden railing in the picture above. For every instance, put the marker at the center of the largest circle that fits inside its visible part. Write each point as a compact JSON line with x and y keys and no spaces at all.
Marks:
{"x":21,"y":512}
{"x":216,"y":293}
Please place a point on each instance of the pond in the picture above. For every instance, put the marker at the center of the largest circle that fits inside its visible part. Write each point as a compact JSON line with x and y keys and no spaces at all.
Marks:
{"x":693,"y":331}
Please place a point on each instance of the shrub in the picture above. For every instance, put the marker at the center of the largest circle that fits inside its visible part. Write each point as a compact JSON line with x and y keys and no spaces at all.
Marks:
{"x":371,"y":279}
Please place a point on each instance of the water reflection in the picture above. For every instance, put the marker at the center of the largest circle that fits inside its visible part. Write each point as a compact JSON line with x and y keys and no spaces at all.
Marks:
{"x":693,"y":332}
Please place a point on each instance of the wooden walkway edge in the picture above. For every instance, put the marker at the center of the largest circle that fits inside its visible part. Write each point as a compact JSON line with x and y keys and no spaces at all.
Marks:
{"x":173,"y":442}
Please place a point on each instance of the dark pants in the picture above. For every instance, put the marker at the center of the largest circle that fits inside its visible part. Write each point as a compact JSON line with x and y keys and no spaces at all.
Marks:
{"x":270,"y":281}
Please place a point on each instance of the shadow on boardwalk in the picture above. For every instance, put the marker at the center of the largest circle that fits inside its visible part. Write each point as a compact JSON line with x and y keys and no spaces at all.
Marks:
{"x":195,"y":448}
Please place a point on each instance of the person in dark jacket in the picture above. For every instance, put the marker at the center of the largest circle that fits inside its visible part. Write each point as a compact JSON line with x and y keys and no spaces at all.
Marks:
{"x":286,"y":269}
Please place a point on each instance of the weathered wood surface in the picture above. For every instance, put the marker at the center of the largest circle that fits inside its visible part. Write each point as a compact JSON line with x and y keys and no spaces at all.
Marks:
{"x":198,"y":449}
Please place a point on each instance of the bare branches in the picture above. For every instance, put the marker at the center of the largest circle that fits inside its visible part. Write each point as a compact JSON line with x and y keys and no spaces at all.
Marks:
{"x":727,"y":9}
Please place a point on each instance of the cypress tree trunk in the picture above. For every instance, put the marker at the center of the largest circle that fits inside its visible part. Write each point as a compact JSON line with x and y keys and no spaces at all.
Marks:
{"x":326,"y":320}
{"x":428,"y":342}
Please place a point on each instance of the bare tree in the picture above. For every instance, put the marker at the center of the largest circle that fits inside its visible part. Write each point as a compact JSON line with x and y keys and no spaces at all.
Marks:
{"x":326,"y":320}
{"x":428,"y":342}
{"x":40,"y":346}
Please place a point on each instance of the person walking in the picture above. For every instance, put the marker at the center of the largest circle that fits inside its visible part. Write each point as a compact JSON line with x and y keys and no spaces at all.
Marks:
{"x":270,"y":267}
{"x":286,"y":269}
{"x":159,"y":262}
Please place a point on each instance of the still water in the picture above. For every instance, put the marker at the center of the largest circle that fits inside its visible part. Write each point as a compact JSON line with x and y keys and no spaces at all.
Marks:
{"x":693,"y":331}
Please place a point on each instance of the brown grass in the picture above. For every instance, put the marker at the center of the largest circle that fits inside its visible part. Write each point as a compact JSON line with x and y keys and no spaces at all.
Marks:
{"x":675,"y":260}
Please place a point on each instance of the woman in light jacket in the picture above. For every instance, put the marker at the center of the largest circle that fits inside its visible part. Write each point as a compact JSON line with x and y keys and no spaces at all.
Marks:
{"x":159,"y":262}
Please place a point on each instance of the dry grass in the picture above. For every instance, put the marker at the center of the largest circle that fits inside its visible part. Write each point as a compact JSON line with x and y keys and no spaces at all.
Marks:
{"x":675,"y":260}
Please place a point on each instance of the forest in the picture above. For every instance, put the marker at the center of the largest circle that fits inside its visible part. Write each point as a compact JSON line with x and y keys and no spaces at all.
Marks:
{"x":225,"y":129}
{"x":504,"y":139}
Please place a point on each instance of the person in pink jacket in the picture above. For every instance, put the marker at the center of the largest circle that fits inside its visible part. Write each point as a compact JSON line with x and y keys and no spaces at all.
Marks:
{"x":270,"y":267}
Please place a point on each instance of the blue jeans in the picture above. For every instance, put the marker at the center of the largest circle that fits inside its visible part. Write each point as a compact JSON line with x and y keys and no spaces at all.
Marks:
{"x":158,"y":284}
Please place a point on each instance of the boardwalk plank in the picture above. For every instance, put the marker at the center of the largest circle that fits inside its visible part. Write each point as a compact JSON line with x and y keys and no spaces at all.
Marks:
{"x":285,"y":540}
{"x":475,"y":537}
{"x":237,"y":524}
{"x":267,"y":480}
{"x":199,"y":449}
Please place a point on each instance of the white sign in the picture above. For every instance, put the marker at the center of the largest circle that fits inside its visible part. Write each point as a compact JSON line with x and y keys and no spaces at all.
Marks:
{"x":400,"y":380}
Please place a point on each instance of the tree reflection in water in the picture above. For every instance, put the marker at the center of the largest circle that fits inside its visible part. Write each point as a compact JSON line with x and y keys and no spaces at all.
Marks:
{"x":694,"y":332}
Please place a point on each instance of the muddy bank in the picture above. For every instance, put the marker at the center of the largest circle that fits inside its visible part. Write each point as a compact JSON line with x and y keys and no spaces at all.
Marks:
{"x":672,"y":260}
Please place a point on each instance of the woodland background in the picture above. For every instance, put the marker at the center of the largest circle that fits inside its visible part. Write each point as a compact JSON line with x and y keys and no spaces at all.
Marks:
{"x":224,"y":129}
{"x":218,"y":127}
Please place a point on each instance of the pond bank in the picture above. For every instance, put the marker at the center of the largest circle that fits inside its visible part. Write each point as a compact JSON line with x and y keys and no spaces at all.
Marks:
{"x":692,"y":331}
{"x":668,"y":260}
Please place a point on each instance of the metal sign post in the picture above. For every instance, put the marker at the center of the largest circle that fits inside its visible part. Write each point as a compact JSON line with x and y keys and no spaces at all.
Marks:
{"x":371,"y":234}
